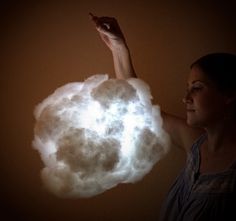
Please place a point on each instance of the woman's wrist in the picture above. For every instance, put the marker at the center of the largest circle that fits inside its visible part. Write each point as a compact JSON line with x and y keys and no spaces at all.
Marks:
{"x":119,"y":48}
{"x":122,"y":63}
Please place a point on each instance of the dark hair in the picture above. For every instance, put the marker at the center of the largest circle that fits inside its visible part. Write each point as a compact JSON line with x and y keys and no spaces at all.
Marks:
{"x":220,"y":68}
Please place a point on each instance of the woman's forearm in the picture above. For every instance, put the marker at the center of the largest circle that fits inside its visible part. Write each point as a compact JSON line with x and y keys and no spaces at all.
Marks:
{"x":123,"y":63}
{"x":113,"y":37}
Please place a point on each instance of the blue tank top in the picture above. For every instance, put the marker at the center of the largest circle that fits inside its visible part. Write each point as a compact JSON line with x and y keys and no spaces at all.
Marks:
{"x":200,"y":197}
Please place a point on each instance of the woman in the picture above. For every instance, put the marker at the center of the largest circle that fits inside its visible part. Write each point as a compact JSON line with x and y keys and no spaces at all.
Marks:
{"x":205,"y":190}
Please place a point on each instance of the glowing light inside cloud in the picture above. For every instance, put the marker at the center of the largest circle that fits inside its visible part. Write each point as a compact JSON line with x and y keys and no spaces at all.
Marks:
{"x":95,"y":134}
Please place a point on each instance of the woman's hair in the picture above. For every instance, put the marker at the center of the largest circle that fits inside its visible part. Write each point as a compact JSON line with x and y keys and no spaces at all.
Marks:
{"x":221,"y":69}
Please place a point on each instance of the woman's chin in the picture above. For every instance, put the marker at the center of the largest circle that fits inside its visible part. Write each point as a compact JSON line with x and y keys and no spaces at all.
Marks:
{"x":193,"y":122}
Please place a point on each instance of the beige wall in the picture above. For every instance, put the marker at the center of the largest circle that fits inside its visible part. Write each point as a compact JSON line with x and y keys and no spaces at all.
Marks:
{"x":45,"y":44}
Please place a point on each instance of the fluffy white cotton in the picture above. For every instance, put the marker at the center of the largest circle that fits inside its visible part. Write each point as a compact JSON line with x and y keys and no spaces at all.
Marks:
{"x":95,"y":134}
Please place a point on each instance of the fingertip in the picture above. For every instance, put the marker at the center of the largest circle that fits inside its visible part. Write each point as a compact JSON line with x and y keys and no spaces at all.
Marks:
{"x":92,"y":16}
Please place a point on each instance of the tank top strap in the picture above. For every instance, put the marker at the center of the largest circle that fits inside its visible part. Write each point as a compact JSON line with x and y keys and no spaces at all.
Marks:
{"x":194,"y":154}
{"x":197,"y":143}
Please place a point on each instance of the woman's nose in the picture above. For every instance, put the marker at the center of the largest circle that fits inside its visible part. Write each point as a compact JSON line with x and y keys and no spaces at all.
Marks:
{"x":187,"y":98}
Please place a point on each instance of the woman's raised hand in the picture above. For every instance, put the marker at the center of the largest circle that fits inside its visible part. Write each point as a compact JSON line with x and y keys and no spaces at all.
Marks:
{"x":109,"y":31}
{"x":113,"y":37}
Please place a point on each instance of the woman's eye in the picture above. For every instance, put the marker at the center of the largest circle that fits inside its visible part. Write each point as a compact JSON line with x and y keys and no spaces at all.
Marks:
{"x":194,"y":89}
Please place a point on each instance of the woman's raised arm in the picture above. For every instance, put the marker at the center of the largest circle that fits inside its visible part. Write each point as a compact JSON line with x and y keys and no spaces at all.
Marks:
{"x":113,"y":37}
{"x":181,"y":134}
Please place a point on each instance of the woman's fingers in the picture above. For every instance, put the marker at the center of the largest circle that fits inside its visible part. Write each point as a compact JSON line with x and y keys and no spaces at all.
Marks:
{"x":93,"y":17}
{"x":109,"y":30}
{"x":105,"y":23}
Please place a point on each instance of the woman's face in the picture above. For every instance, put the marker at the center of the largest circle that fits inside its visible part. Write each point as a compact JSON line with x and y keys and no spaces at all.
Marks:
{"x":205,"y":105}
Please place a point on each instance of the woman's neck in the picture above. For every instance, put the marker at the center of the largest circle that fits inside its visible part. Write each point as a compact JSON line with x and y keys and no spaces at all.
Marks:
{"x":221,"y":136}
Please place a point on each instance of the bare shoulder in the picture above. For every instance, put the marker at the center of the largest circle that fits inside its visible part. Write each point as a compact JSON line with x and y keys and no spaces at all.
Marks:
{"x":182,"y":135}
